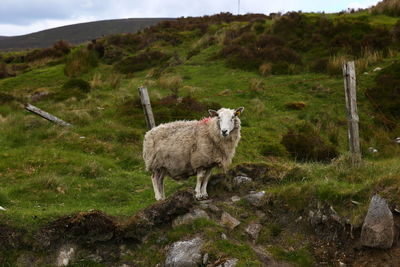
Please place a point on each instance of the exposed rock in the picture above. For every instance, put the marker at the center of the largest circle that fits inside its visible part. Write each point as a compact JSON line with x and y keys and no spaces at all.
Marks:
{"x":223,"y":236}
{"x":189,"y":217}
{"x":185,"y":253}
{"x":205,"y":258}
{"x":256,"y":199}
{"x":377,"y":69}
{"x":240,"y":179}
{"x":65,"y":254}
{"x":229,"y":263}
{"x":256,"y":171}
{"x":1,"y":208}
{"x":229,"y":221}
{"x":253,"y":230}
{"x":235,"y":198}
{"x":160,"y":213}
{"x":372,"y":150}
{"x":378,"y":228}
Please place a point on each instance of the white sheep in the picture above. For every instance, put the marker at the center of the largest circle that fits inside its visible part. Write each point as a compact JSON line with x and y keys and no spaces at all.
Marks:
{"x":181,"y":149}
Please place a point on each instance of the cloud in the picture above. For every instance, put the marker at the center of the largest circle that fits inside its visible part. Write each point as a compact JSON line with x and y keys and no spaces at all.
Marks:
{"x":362,"y":4}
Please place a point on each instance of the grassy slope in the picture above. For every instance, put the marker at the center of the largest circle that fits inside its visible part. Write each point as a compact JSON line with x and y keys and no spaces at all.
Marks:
{"x":47,"y":171}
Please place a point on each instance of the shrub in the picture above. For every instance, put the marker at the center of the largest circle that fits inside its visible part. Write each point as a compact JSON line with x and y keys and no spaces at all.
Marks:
{"x":304,"y":144}
{"x":275,"y":150}
{"x":6,"y":98}
{"x":295,"y":105}
{"x":142,"y":61}
{"x":80,"y":84}
{"x":79,"y":62}
{"x":59,"y":49}
{"x":256,"y":85}
{"x":4,"y":71}
{"x":385,"y":94}
{"x":319,"y":65}
{"x":172,"y":108}
{"x":387,"y":7}
{"x":265,"y":69}
{"x":113,"y":54}
{"x":172,"y":83}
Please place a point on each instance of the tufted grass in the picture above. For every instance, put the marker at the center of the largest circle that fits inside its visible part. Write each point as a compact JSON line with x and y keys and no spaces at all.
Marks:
{"x":48,"y":171}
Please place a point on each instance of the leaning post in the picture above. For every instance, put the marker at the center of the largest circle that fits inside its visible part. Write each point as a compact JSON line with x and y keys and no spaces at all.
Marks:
{"x":148,"y":112}
{"x":349,"y":75}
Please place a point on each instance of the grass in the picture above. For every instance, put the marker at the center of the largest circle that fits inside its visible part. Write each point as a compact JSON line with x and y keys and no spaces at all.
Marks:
{"x":48,"y":171}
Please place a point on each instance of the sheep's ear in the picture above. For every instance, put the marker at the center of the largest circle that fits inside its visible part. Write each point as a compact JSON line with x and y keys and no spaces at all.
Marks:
{"x":239,"y":111}
{"x":212,"y":113}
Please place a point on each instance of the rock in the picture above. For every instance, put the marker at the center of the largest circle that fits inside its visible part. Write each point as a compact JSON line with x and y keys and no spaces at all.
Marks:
{"x":65,"y":254}
{"x":189,"y":217}
{"x":260,"y":214}
{"x":229,"y":263}
{"x":205,"y":258}
{"x":229,"y":221}
{"x":223,"y":236}
{"x":397,"y":140}
{"x":377,"y":69}
{"x":235,"y":199}
{"x":372,"y":150}
{"x":253,"y":230}
{"x":185,"y":253}
{"x":1,"y":208}
{"x":256,"y":199}
{"x":213,"y":208}
{"x":378,"y":228}
{"x":240,"y":179}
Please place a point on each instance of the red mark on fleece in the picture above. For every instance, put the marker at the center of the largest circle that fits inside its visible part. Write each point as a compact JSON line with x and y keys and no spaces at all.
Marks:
{"x":205,"y":120}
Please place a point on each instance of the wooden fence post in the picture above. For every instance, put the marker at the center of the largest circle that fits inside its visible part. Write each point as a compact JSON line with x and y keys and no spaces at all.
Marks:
{"x":349,"y":74}
{"x":46,"y":115}
{"x":145,"y":99}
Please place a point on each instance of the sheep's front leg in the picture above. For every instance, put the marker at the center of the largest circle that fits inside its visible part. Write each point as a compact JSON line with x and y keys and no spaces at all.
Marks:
{"x":204,"y":184}
{"x":200,"y":178}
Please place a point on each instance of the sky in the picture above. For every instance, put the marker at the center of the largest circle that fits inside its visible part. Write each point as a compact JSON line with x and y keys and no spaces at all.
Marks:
{"x":18,"y":17}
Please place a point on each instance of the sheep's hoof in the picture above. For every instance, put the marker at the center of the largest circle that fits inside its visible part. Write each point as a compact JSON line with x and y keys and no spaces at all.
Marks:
{"x":201,"y":197}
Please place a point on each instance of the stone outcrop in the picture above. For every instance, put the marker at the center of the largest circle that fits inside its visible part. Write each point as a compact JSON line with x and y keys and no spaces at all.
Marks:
{"x":378,"y":228}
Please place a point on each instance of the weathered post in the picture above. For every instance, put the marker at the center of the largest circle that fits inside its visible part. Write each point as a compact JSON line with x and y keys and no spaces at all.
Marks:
{"x":349,"y":74}
{"x":148,"y":113}
{"x":46,"y":115}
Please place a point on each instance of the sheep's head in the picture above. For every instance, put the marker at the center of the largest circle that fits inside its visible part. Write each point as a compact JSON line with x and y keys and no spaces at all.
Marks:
{"x":226,"y":119}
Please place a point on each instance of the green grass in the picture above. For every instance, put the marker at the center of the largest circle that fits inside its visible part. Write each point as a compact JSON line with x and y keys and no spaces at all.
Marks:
{"x":47,"y":171}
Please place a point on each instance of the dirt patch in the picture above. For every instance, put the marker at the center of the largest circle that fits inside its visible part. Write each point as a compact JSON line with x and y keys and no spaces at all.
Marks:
{"x":83,"y":228}
{"x":11,"y":237}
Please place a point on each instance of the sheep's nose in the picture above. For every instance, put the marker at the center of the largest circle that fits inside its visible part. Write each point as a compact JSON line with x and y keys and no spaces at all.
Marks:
{"x":224,"y":132}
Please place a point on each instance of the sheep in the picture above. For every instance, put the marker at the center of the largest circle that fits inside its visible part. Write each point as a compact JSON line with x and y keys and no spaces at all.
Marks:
{"x":182,"y":149}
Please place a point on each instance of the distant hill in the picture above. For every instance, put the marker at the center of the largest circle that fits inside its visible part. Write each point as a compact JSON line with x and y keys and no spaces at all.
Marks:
{"x":76,"y":33}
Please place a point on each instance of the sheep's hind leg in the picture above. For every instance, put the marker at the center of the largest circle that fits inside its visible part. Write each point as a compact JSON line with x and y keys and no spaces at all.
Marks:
{"x":204,"y":184}
{"x":200,"y":179}
{"x":157,"y":178}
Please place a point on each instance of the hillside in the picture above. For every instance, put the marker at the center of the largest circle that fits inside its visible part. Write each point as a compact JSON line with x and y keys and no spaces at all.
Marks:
{"x":83,"y":192}
{"x":77,"y":33}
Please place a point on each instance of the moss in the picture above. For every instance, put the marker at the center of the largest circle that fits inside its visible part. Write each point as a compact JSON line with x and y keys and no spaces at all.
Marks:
{"x":301,"y":257}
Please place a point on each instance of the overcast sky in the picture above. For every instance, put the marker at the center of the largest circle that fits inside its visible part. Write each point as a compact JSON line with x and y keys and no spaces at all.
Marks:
{"x":19,"y":17}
